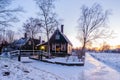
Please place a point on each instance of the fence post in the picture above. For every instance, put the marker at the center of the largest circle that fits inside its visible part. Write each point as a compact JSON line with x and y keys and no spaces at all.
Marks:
{"x":19,"y":55}
{"x":40,"y":55}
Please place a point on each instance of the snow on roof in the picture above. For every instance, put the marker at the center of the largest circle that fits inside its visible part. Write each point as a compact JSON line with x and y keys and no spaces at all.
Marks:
{"x":65,"y":37}
{"x":21,"y":41}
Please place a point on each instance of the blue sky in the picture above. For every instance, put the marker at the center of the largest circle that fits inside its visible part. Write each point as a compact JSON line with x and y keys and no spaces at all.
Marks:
{"x":69,"y":11}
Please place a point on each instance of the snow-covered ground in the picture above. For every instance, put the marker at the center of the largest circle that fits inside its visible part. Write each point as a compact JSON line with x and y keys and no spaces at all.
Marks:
{"x":111,"y":59}
{"x":37,"y":70}
{"x":13,"y":70}
{"x":93,"y":70}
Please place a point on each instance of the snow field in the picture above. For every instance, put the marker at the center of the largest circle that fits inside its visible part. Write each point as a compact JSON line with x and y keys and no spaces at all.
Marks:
{"x":19,"y":71}
{"x":111,"y":59}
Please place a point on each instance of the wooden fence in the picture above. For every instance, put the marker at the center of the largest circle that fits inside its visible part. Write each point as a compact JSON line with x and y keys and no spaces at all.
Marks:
{"x":27,"y":53}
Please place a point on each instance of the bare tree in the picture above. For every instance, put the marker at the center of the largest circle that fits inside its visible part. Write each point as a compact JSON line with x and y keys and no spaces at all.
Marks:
{"x":47,"y":17}
{"x":7,"y":15}
{"x":32,"y":27}
{"x":10,"y":36}
{"x":1,"y":38}
{"x":92,"y":25}
{"x":105,"y":47}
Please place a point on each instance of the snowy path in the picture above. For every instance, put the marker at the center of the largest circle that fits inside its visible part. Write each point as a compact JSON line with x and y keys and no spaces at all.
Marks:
{"x":99,"y":71}
{"x":93,"y":70}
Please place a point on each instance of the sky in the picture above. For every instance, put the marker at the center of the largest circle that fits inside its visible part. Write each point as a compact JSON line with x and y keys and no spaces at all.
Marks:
{"x":69,"y":12}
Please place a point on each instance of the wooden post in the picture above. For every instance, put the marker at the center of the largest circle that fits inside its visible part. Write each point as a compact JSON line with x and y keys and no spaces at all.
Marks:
{"x":41,"y":55}
{"x":19,"y":56}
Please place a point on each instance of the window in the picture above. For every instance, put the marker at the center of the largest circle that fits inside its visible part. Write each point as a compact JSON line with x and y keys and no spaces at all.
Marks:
{"x":63,"y":47}
{"x":58,"y":47}
{"x":57,"y":37}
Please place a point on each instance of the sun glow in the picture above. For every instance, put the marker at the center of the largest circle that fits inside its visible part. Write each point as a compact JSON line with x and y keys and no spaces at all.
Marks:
{"x":111,"y":44}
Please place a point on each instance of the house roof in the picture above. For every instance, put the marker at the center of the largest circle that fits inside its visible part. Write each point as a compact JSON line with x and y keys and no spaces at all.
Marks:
{"x":36,"y":41}
{"x":64,"y":36}
{"x":42,"y":44}
{"x":21,"y":42}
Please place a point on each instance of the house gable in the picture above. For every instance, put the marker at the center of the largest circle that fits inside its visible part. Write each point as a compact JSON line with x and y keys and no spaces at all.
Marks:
{"x":59,"y":37}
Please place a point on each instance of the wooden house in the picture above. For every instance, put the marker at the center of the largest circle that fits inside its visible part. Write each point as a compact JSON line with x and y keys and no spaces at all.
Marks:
{"x":24,"y":43}
{"x":60,"y":45}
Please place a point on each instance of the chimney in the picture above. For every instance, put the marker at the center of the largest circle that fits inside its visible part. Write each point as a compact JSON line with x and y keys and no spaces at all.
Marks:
{"x":40,"y":39}
{"x":62,"y":26}
{"x":25,"y":35}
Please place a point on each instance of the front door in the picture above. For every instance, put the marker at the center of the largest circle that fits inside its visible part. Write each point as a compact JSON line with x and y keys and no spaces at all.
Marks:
{"x":58,"y":48}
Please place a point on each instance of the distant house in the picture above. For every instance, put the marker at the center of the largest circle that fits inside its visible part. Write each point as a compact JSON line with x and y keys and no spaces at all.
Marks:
{"x":60,"y":45}
{"x":24,"y":43}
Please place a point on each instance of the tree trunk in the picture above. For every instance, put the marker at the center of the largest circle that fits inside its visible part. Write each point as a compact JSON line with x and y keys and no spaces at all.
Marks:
{"x":33,"y":44}
{"x":48,"y":48}
{"x":82,"y":52}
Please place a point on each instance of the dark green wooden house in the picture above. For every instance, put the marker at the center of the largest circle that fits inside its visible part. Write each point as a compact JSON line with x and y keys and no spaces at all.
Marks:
{"x":60,"y":45}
